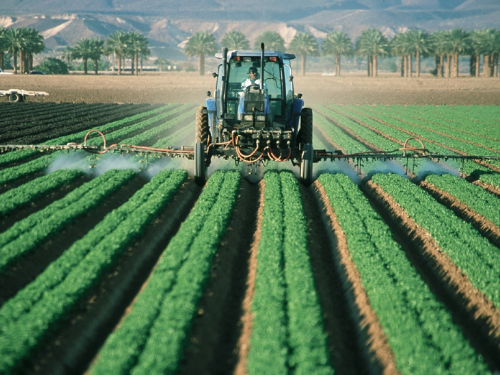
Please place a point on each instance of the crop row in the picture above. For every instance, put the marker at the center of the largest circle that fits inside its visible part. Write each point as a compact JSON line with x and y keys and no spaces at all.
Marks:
{"x":404,"y":304}
{"x":481,"y":144}
{"x":78,"y":137}
{"x":287,"y":328}
{"x":472,"y":253}
{"x":55,"y":120}
{"x":37,"y":310}
{"x":362,"y":115}
{"x":40,"y":132}
{"x":28,"y":233}
{"x":29,"y":192}
{"x":39,"y":164}
{"x":471,"y":195}
{"x":420,"y":131}
{"x":152,"y":337}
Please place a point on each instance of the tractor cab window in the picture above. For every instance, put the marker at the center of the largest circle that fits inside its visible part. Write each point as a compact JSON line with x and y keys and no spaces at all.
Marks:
{"x":241,"y":74}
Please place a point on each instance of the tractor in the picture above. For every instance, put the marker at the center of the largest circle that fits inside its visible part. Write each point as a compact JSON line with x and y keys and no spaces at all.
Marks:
{"x":254,"y":121}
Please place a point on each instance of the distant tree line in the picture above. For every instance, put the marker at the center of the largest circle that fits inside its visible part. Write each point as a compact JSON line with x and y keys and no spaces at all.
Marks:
{"x":25,"y":42}
{"x":410,"y":47}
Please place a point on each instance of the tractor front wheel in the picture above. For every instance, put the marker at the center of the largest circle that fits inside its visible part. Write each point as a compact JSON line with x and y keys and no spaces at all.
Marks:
{"x":306,"y":165}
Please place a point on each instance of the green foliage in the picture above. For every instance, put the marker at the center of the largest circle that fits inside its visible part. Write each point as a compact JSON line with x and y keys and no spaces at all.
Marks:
{"x":170,"y":301}
{"x":29,"y":192}
{"x":404,"y":304}
{"x":53,"y":66}
{"x":38,"y":309}
{"x":235,"y":40}
{"x":471,"y":252}
{"x":28,"y":233}
{"x":287,"y":328}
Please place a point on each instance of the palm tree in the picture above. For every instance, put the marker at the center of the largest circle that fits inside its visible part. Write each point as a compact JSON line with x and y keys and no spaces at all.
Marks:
{"x":475,"y":51}
{"x":337,"y":44}
{"x":418,"y":43}
{"x":83,"y":50}
{"x":67,"y":55}
{"x":117,"y":44}
{"x":441,"y":48}
{"x":161,"y":62}
{"x":272,"y":41}
{"x":33,"y":44}
{"x":304,"y":44}
{"x":137,"y":45}
{"x":399,"y":47}
{"x":371,"y":44}
{"x":459,"y":44}
{"x":3,"y":45}
{"x":201,"y":44}
{"x":235,"y":40}
{"x":15,"y":42}
{"x":96,"y":51}
{"x":490,"y":46}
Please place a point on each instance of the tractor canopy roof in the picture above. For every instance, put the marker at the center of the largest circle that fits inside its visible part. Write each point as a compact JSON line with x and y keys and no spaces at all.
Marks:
{"x":256,"y":53}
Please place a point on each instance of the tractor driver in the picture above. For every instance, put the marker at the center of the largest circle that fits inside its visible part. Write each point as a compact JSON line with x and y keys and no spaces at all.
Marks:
{"x":253,"y":78}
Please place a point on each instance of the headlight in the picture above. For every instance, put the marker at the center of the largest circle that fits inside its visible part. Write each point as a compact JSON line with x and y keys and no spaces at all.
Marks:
{"x":261,"y":118}
{"x":248,"y":118}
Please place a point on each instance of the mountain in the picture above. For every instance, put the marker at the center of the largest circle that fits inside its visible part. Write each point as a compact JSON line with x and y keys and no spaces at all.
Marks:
{"x":168,"y":23}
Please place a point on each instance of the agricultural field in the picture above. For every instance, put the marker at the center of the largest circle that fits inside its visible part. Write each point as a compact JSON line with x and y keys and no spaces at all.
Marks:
{"x":119,"y":264}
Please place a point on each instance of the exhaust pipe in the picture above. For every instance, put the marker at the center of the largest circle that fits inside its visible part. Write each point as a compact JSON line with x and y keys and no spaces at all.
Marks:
{"x":262,"y":66}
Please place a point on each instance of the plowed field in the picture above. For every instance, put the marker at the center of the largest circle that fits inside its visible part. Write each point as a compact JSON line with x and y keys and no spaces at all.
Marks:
{"x":119,"y":264}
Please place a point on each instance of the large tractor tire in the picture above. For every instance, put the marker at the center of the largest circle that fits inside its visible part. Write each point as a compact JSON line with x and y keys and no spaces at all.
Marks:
{"x":200,"y":167}
{"x":202,"y":127}
{"x":306,"y":165}
{"x":305,"y":135}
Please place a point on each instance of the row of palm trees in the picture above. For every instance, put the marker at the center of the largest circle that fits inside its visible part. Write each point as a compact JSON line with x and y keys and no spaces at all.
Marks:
{"x":23,"y":43}
{"x":120,"y":43}
{"x":446,"y":46}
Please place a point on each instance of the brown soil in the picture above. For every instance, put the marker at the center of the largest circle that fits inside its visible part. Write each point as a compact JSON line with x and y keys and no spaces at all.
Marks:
{"x":372,"y":337}
{"x":487,"y":228}
{"x":492,"y":189}
{"x":182,"y":87}
{"x":477,"y":315}
{"x":247,"y":317}
{"x":217,"y":329}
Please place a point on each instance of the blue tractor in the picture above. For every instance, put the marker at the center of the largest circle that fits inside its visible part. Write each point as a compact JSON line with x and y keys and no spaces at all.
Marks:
{"x":254,"y":116}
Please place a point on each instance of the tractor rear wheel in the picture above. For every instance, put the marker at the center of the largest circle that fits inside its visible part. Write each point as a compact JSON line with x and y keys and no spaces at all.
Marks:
{"x":202,"y":127}
{"x":305,"y":135}
{"x":200,"y":167}
{"x":306,"y":165}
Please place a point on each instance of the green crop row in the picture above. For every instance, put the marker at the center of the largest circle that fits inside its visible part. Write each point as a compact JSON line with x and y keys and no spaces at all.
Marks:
{"x":78,"y":137}
{"x":37,"y":310}
{"x":482,"y":121}
{"x":152,"y":337}
{"x":421,"y":122}
{"x":39,"y":164}
{"x":362,"y":113}
{"x":360,"y":130}
{"x":471,"y":252}
{"x":27,"y":193}
{"x":26,"y":234}
{"x":287,"y":329}
{"x":404,"y":304}
{"x":473,"y":196}
{"x":339,"y":137}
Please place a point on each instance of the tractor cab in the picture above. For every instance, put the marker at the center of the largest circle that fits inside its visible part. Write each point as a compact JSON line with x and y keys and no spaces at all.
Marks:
{"x":254,"y":90}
